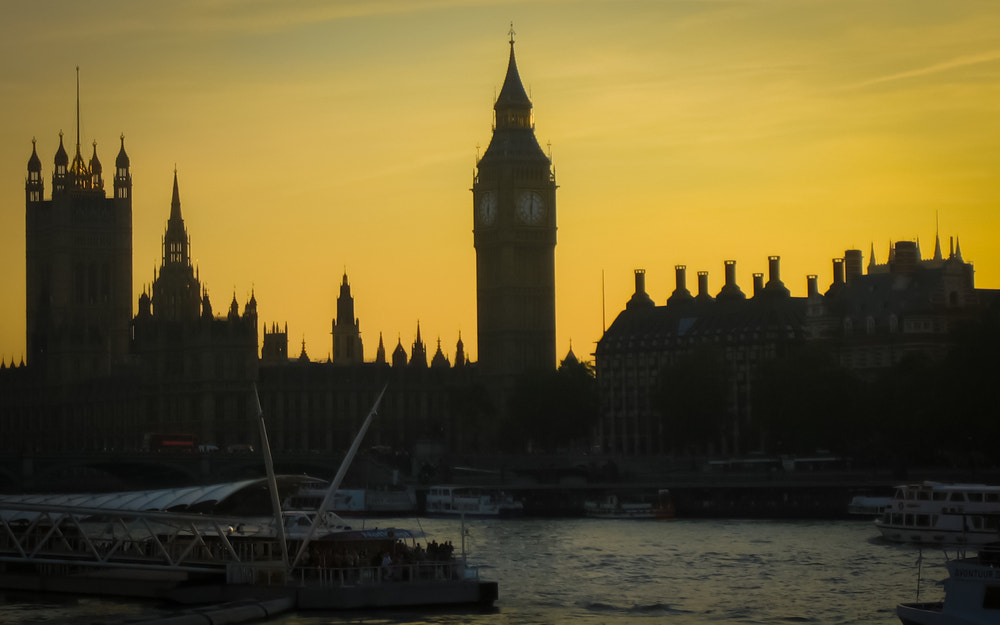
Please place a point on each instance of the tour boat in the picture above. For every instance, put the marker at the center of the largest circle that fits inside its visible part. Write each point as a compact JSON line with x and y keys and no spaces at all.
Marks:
{"x":868,"y":505}
{"x":203,"y":544}
{"x":471,"y":501}
{"x":611,"y":507}
{"x":972,"y":594}
{"x":942,"y":514}
{"x":356,"y":502}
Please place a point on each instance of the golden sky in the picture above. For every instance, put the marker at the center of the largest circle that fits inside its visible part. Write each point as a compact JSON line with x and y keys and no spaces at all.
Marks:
{"x":316,"y":137}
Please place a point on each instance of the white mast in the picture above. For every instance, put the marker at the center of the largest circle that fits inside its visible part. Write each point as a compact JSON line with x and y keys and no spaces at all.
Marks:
{"x":272,"y":482}
{"x":335,"y":484}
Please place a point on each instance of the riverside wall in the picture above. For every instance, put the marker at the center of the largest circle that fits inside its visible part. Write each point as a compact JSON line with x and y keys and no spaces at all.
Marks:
{"x":553,"y":489}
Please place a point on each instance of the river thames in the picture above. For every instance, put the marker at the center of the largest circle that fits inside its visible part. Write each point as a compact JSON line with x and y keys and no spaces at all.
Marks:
{"x":596,"y":572}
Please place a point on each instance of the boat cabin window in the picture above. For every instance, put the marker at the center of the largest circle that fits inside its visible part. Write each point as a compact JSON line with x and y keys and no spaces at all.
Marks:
{"x":993,"y":497}
{"x":991,"y":598}
{"x":957,"y":497}
{"x":939,"y":496}
{"x":923,"y":495}
{"x":923,"y":520}
{"x":978,"y":497}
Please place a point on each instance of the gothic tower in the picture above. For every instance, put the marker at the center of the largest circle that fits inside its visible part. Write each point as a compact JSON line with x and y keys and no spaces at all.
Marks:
{"x":78,"y":252}
{"x":347,"y":347}
{"x":514,"y":217}
{"x":176,"y":291}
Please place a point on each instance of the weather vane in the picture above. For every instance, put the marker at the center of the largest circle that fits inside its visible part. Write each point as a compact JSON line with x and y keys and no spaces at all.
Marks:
{"x":511,"y":33}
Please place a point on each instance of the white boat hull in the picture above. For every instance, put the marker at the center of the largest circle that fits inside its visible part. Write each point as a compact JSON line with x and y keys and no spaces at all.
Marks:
{"x":939,"y":513}
{"x":972,"y":595}
{"x":935,"y":536}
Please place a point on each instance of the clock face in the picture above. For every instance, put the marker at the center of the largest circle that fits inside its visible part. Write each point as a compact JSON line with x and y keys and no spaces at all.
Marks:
{"x":487,"y":209}
{"x":530,"y":207}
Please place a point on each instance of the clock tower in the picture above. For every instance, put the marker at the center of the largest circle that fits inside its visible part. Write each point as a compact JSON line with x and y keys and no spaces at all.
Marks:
{"x":514,"y":217}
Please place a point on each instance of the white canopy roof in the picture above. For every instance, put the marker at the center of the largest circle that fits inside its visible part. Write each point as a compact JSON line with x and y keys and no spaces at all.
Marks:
{"x":203,"y":498}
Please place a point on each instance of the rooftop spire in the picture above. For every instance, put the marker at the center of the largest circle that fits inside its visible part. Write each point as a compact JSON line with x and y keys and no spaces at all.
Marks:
{"x":513,"y":107}
{"x":175,"y":200}
{"x":77,"y":109}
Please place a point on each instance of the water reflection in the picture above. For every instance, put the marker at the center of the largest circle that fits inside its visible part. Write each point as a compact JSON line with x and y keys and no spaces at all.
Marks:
{"x":594,"y":572}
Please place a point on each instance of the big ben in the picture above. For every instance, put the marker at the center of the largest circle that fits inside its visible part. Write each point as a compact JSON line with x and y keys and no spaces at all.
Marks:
{"x":514,"y":216}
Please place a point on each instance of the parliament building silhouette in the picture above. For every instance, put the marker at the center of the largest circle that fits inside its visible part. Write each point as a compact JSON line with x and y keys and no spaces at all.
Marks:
{"x":98,"y":379}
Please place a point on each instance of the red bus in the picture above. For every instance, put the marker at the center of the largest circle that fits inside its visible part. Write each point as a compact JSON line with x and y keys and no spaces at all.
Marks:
{"x":172,"y":442}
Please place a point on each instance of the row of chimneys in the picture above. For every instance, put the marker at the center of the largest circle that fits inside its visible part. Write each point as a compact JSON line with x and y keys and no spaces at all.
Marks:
{"x":845,"y":271}
{"x":730,"y":290}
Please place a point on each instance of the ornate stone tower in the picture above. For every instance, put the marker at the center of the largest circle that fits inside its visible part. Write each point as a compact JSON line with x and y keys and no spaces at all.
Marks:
{"x":177,"y":290}
{"x":347,"y":346}
{"x":78,"y":248}
{"x":514,"y":212}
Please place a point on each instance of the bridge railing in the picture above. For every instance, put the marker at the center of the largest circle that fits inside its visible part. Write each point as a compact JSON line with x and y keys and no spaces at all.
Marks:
{"x":98,"y":537}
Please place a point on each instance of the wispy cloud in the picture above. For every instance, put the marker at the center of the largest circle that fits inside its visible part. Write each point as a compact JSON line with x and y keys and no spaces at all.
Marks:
{"x":937,"y":68}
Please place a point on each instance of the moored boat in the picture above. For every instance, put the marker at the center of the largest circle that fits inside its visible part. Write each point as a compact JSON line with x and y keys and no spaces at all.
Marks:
{"x":355,"y":502}
{"x":868,"y":505}
{"x":471,"y":501}
{"x":205,"y":544}
{"x":612,"y":507}
{"x":942,"y":513}
{"x":972,"y":594}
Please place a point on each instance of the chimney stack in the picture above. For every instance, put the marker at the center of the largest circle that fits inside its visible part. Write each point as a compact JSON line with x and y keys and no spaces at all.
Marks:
{"x":730,"y":290}
{"x":773,"y":269}
{"x":640,"y":280}
{"x":774,"y":284}
{"x":703,"y":287}
{"x":905,"y":259}
{"x":812,"y":285}
{"x":852,"y":265}
{"x":640,"y":298}
{"x":838,"y":277}
{"x":681,"y":293}
{"x":758,"y":284}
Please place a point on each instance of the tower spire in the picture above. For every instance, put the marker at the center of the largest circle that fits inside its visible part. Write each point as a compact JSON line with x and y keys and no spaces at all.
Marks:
{"x":77,"y":109}
{"x":79,"y":173}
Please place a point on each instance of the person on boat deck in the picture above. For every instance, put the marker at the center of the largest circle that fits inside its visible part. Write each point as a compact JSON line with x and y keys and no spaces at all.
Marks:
{"x":386,"y":566}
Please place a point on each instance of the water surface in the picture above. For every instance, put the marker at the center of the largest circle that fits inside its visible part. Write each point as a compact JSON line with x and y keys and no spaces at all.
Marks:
{"x":595,"y":572}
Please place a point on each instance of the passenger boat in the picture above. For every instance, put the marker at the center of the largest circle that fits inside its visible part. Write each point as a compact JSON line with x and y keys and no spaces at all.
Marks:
{"x":868,"y":505}
{"x":205,"y":544}
{"x":941,"y":513}
{"x":356,"y":502}
{"x":611,"y":507}
{"x":972,"y":594}
{"x":471,"y":501}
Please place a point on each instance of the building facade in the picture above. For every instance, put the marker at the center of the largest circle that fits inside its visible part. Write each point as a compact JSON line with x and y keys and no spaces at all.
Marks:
{"x":906,"y":306}
{"x":78,"y":248}
{"x":868,"y":322}
{"x":646,"y":340}
{"x":196,"y":369}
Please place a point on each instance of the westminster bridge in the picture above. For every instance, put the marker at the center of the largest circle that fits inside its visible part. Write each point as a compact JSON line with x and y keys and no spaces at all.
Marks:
{"x":549,"y":485}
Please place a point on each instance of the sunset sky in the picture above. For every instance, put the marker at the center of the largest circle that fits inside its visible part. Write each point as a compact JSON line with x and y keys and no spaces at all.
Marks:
{"x":316,"y":137}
